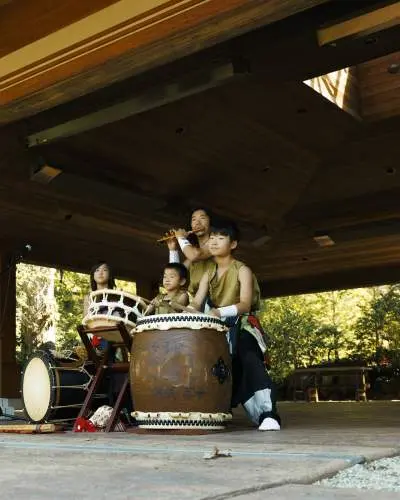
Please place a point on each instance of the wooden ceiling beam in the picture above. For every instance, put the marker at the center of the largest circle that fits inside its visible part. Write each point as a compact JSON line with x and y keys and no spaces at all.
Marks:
{"x":284,"y":51}
{"x":139,"y":267}
{"x":380,"y":87}
{"x":154,"y":97}
{"x":49,"y":209}
{"x":362,"y":25}
{"x":324,"y":216}
{"x":299,"y":57}
{"x":329,"y":262}
{"x":78,"y":247}
{"x":18,"y":30}
{"x":350,"y":278}
{"x":135,"y":36}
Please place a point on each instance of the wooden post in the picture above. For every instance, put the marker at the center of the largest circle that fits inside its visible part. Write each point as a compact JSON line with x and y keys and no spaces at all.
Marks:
{"x":312,"y":395}
{"x":9,"y":371}
{"x":361,"y":389}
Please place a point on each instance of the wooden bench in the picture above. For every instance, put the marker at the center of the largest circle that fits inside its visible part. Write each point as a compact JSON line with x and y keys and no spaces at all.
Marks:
{"x":307,"y":383}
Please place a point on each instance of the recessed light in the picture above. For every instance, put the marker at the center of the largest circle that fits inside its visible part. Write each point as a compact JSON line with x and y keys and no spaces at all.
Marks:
{"x":323,"y":240}
{"x":394,"y":68}
{"x":371,"y":40}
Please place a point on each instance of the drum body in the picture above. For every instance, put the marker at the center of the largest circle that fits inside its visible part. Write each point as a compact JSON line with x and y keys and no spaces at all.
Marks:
{"x":109,"y":307}
{"x":53,"y":389}
{"x":180,"y":372}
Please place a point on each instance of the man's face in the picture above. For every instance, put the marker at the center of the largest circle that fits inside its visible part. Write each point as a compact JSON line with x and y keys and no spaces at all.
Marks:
{"x":200,"y":223}
{"x":171,"y":280}
{"x":102,"y":274}
{"x":220,"y":245}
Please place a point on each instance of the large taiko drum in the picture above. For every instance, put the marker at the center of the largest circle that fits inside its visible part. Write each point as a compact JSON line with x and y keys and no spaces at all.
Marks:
{"x":180,"y":372}
{"x":54,"y":389}
{"x":108,"y":307}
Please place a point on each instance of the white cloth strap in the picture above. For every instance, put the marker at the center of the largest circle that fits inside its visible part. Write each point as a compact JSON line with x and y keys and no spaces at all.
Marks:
{"x":183,"y":242}
{"x":174,"y":256}
{"x":228,"y":311}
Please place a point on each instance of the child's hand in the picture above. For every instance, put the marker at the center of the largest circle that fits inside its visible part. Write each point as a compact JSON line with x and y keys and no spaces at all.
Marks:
{"x":214,"y":312}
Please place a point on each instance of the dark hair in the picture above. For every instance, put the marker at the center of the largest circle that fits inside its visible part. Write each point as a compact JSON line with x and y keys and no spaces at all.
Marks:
{"x":192,"y":238}
{"x":180,"y":269}
{"x":226,"y":228}
{"x":111,"y":279}
{"x":207,"y":211}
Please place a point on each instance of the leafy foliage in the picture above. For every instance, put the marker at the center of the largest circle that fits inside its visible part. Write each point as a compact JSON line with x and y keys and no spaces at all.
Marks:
{"x":360,"y":324}
{"x":377,"y":332}
{"x":35,"y":308}
{"x":70,"y":291}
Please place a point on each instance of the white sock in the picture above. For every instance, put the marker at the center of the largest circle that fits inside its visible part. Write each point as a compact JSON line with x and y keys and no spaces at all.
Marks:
{"x":269,"y":424}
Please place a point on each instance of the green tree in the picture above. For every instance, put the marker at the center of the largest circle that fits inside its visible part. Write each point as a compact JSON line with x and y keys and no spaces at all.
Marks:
{"x":336,"y":311}
{"x":292,"y":330}
{"x":35,"y":308}
{"x":378,"y":329}
{"x":70,"y":291}
{"x":313,"y":328}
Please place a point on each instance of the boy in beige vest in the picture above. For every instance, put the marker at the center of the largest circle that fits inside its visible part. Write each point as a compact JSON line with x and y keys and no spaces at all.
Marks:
{"x":233,"y":292}
{"x":175,"y":282}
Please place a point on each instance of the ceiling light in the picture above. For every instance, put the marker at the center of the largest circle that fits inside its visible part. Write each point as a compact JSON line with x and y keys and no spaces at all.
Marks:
{"x":323,"y":240}
{"x":44,"y":173}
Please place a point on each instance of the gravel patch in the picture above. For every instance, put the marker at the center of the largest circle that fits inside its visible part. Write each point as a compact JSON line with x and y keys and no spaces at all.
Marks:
{"x":383,"y":474}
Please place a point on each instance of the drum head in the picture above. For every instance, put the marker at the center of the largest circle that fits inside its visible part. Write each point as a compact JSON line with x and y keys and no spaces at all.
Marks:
{"x":36,"y":389}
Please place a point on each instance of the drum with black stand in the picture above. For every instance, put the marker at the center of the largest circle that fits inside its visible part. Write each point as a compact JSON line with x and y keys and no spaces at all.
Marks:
{"x":112,"y":315}
{"x":54,"y":387}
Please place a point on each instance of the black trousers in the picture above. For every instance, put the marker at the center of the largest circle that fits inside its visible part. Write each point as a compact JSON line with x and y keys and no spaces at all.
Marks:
{"x":252,"y":385}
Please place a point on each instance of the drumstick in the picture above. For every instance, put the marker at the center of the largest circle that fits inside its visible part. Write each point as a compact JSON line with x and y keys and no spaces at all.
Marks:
{"x":175,"y":305}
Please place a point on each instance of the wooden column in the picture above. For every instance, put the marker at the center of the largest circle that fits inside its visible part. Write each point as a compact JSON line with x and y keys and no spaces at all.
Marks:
{"x":147,"y":289}
{"x":9,"y":371}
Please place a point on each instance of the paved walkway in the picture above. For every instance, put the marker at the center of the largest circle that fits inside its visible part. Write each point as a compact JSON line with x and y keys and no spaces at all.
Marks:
{"x":317,"y":440}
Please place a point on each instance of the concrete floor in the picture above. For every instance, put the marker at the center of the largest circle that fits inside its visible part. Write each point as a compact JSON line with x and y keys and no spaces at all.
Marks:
{"x":316,"y":441}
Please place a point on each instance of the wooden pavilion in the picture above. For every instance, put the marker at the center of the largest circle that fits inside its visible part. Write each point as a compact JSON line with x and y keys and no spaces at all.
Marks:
{"x":118,"y":116}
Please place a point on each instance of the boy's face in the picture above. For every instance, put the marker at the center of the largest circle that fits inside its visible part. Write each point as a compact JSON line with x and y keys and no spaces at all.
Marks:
{"x":171,"y":280}
{"x":221,"y":245}
{"x":102,"y":274}
{"x":200,"y":223}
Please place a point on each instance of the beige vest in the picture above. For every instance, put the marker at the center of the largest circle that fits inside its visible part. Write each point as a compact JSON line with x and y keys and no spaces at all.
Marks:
{"x":225,"y":291}
{"x":164,"y":307}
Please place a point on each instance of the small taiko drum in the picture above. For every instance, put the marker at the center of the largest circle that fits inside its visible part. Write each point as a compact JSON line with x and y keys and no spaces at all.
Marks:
{"x":180,"y":372}
{"x":54,"y":389}
{"x":108,"y":307}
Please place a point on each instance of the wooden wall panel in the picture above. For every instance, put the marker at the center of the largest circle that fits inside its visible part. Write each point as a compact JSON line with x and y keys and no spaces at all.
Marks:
{"x":24,"y":21}
{"x":380,"y":89}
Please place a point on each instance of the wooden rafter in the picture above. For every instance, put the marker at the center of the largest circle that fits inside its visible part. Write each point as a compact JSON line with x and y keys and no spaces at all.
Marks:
{"x":365,"y":24}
